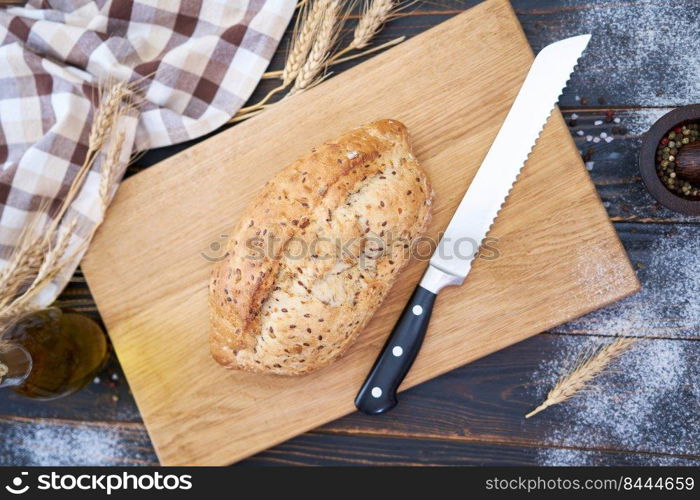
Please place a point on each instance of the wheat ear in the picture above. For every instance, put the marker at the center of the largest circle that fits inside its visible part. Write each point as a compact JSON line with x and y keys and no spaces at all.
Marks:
{"x":116,"y":100}
{"x":110,"y":168}
{"x":303,"y":39}
{"x":305,"y":30}
{"x":584,"y":372}
{"x":376,"y":13}
{"x":328,"y":31}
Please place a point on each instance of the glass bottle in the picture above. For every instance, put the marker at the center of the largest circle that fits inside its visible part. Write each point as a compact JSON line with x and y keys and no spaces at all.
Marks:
{"x":51,"y":353}
{"x":15,"y":364}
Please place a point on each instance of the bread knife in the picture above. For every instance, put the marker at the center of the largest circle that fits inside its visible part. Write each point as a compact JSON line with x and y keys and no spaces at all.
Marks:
{"x":453,"y":257}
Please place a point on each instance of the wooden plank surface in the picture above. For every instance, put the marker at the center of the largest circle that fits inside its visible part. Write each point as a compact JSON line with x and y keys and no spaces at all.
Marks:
{"x":561,"y":257}
{"x":347,"y":450}
{"x":645,"y":226}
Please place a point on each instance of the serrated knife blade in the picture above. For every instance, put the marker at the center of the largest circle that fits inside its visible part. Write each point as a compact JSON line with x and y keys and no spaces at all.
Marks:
{"x":453,"y":258}
{"x":507,"y":156}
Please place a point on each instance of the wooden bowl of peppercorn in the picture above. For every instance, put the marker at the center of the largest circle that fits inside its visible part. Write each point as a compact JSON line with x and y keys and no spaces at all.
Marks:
{"x":669,"y":160}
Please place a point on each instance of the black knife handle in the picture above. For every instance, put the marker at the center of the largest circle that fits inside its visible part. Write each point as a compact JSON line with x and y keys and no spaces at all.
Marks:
{"x":378,"y":393}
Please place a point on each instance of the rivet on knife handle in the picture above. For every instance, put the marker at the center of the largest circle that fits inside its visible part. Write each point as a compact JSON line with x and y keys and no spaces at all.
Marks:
{"x":378,"y":393}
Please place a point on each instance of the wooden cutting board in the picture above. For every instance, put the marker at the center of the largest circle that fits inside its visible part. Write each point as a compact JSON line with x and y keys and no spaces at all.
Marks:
{"x":559,"y":256}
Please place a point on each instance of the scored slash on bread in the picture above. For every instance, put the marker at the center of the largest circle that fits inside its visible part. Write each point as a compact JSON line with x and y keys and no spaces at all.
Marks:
{"x":316,"y":252}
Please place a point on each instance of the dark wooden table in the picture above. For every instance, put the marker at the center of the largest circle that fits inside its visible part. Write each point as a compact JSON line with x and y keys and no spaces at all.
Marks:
{"x":641,"y":63}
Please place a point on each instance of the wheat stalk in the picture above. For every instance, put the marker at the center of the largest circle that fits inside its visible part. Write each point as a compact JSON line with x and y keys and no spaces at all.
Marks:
{"x":584,"y":372}
{"x":328,"y":30}
{"x":303,"y":39}
{"x":376,"y":13}
{"x":110,"y":170}
{"x":49,"y":268}
{"x":42,"y":250}
{"x":55,"y":255}
{"x":305,"y":31}
{"x":26,"y":258}
{"x":116,"y":101}
{"x":317,"y":29}
{"x":106,"y":114}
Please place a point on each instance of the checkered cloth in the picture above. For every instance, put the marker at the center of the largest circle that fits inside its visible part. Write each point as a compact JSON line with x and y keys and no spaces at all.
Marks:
{"x":198,"y":60}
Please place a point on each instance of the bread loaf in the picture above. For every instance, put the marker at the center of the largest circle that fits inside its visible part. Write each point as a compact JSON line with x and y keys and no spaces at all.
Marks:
{"x":316,"y":252}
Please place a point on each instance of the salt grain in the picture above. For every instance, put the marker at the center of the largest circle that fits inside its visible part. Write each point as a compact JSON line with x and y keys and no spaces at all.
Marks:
{"x":579,"y":132}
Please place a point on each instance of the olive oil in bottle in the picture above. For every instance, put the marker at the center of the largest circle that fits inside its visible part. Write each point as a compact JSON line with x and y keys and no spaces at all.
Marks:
{"x":51,"y":353}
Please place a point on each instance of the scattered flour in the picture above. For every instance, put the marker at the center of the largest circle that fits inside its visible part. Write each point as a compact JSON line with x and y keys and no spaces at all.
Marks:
{"x":648,"y":401}
{"x":564,"y":457}
{"x":668,"y":304}
{"x":596,"y":275}
{"x":643,"y":51}
{"x":51,"y":445}
{"x":640,"y":121}
{"x":644,"y":403}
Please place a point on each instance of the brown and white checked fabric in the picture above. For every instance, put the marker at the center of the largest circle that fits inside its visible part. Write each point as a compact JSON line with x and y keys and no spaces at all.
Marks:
{"x":198,"y":62}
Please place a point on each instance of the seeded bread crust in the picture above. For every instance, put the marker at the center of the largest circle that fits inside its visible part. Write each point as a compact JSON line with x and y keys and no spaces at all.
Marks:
{"x":288,"y":298}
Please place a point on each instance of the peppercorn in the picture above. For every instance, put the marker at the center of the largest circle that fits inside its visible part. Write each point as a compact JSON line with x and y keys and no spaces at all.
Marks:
{"x":678,"y":179}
